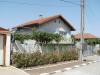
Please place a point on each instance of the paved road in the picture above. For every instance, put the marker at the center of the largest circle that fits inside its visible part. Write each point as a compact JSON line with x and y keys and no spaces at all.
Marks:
{"x":39,"y":71}
{"x":52,"y":68}
{"x":11,"y":71}
{"x":91,"y":69}
{"x":95,"y":57}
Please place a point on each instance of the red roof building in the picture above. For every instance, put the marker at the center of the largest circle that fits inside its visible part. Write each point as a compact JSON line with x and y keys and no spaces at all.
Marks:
{"x":40,"y":21}
{"x":3,"y":31}
{"x":85,"y":36}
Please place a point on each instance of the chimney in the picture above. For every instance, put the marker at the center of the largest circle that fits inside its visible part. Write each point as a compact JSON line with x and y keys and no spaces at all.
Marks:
{"x":40,"y":16}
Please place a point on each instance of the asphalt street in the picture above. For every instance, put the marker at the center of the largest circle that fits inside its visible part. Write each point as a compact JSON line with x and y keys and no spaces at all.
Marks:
{"x":91,"y":69}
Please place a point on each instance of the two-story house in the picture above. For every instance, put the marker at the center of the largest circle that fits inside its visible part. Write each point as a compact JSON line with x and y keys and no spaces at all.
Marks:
{"x":53,"y":24}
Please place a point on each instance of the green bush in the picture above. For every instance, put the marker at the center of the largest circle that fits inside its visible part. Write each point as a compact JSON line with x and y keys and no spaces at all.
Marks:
{"x":51,"y":58}
{"x":98,"y":52}
{"x":68,"y":55}
{"x":33,"y":59}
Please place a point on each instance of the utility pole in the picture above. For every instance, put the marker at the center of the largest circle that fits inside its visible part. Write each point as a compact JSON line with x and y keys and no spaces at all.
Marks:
{"x":82,"y":29}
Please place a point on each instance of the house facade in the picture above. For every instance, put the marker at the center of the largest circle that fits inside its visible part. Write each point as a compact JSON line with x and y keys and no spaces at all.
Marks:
{"x":4,"y":47}
{"x":53,"y":24}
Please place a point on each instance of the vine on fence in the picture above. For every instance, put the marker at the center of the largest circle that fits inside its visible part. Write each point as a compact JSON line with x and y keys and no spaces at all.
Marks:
{"x":41,"y":37}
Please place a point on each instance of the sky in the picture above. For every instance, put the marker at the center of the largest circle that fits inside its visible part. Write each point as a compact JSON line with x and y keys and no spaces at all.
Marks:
{"x":15,"y":12}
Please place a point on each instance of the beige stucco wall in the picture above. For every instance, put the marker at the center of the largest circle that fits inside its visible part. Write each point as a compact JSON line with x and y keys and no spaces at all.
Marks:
{"x":54,"y":26}
{"x":7,"y":59}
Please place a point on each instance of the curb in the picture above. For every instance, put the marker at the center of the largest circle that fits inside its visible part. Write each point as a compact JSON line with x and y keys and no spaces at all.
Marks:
{"x":28,"y":69}
{"x":70,"y":68}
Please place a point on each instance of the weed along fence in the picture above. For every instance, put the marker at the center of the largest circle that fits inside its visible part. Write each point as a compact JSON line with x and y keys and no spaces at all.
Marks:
{"x":29,"y":52}
{"x":35,"y":59}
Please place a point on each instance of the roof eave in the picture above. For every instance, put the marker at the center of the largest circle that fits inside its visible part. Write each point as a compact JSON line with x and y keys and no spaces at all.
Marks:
{"x":70,"y":25}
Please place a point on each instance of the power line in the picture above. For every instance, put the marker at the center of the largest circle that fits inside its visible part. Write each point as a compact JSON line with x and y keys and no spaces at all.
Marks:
{"x":33,"y":4}
{"x":91,"y":10}
{"x":71,"y":2}
{"x":90,"y":13}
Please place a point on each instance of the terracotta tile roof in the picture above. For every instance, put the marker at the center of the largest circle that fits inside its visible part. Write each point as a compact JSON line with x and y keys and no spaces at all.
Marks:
{"x":44,"y":20}
{"x":3,"y":31}
{"x":85,"y":36}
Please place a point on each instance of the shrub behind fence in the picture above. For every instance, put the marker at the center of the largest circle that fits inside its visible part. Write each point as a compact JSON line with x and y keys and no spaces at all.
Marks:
{"x":37,"y":58}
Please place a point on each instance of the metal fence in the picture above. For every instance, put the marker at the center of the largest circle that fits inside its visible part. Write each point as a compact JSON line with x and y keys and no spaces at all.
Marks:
{"x":30,"y":46}
{"x":53,"y":47}
{"x":89,"y":50}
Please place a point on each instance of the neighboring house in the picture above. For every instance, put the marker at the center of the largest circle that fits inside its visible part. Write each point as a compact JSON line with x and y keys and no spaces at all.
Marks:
{"x":53,"y":24}
{"x":89,"y":49}
{"x":85,"y":36}
{"x":4,"y":47}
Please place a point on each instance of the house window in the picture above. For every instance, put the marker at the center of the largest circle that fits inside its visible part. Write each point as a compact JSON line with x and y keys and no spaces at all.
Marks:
{"x":62,"y":33}
{"x":55,"y":21}
{"x":20,"y":30}
{"x":36,"y":26}
{"x":59,"y":21}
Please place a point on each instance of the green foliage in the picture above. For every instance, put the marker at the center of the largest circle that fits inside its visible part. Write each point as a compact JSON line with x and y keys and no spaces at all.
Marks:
{"x":51,"y":58}
{"x":45,"y":37}
{"x":57,"y":37}
{"x":93,"y":41}
{"x":33,"y":59}
{"x":40,"y":37}
{"x":71,"y":55}
{"x":22,"y":37}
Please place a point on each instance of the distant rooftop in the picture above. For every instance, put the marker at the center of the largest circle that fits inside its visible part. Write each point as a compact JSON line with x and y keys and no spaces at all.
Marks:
{"x":3,"y":31}
{"x":85,"y":36}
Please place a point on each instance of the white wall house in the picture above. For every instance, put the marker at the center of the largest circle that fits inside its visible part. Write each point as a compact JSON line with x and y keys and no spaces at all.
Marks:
{"x":57,"y":26}
{"x":53,"y":24}
{"x":4,"y":47}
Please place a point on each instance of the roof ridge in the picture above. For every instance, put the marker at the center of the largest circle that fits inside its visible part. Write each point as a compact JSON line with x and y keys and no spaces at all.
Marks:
{"x":46,"y":19}
{"x":37,"y":20}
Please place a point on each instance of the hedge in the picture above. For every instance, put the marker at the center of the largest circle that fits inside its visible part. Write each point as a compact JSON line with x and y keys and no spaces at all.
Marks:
{"x":23,"y":60}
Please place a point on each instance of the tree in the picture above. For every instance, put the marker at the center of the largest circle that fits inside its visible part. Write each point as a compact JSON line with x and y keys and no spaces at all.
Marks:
{"x":40,"y":37}
{"x":45,"y":37}
{"x":22,"y":37}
